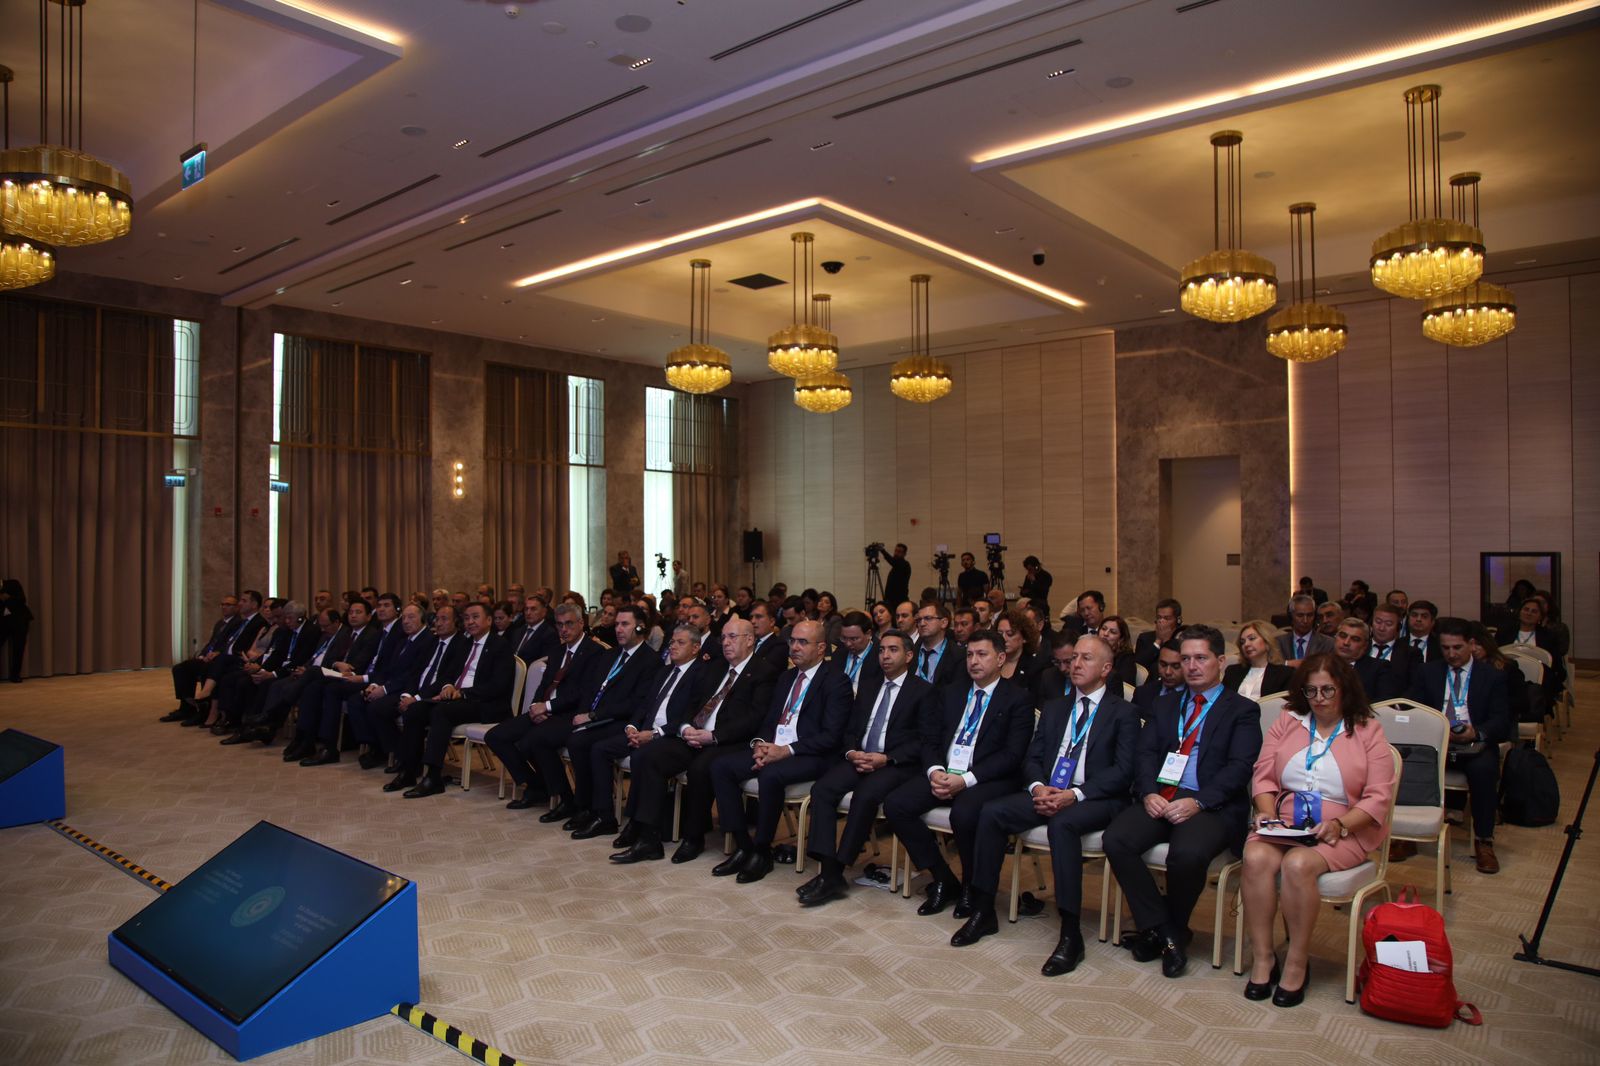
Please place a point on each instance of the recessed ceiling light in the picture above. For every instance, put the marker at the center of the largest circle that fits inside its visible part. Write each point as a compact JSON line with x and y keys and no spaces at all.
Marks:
{"x":280,"y":290}
{"x":333,"y":203}
{"x":177,"y":277}
{"x":462,"y":221}
{"x":1322,"y":292}
{"x":598,"y":318}
{"x":644,"y":61}
{"x":435,"y":321}
{"x":462,"y":143}
{"x":1121,"y":81}
{"x":413,"y":131}
{"x":1004,"y":229}
{"x":1168,"y":310}
{"x":646,"y":200}
{"x":337,"y":303}
{"x":553,"y":27}
{"x":1058,"y":73}
{"x":407,"y":281}
{"x":238,"y":248}
{"x":820,"y":145}
{"x":1525,"y":262}
{"x":506,"y":245}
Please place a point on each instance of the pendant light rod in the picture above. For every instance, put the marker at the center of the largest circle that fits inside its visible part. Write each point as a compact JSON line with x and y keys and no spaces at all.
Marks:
{"x":1464,"y":197}
{"x":1303,"y":218}
{"x":1422,"y":152}
{"x":1227,"y":156}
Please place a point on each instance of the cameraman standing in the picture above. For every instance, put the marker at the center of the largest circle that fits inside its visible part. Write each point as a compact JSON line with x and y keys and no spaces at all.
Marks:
{"x":1036,"y":587}
{"x":897,"y":589}
{"x":971,"y":583}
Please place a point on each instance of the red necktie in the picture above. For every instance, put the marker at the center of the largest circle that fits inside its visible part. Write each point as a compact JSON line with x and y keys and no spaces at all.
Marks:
{"x":794,"y":699}
{"x":1187,"y":747}
{"x":472,"y":657}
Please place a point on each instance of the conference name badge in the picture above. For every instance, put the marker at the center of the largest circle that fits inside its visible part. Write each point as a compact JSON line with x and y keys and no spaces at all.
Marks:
{"x":787,"y":734}
{"x":1065,"y":768}
{"x":1172,"y":770}
{"x":960,"y":760}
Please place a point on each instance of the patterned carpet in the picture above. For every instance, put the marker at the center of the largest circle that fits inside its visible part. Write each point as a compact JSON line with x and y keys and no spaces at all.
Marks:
{"x":535,"y":944}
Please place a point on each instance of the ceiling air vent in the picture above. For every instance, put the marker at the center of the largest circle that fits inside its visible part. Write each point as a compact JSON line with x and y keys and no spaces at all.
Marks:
{"x":548,"y":126}
{"x":991,"y":68}
{"x":757,"y":281}
{"x":688,"y":166}
{"x":280,"y":246}
{"x":502,"y":229}
{"x":369,"y":205}
{"x":369,"y":277}
{"x":785,"y":28}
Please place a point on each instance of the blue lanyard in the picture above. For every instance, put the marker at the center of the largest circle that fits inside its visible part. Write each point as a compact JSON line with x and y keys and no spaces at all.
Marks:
{"x":969,"y":723}
{"x":1076,"y":733}
{"x":930,"y":661}
{"x":1184,"y":734}
{"x":1311,"y":729}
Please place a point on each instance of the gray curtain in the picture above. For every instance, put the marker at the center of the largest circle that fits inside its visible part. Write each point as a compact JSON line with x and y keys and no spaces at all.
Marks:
{"x":525,"y":452}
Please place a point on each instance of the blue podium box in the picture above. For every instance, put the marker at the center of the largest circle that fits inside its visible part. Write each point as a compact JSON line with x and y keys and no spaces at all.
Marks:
{"x":33,"y":779}
{"x":210,"y":959}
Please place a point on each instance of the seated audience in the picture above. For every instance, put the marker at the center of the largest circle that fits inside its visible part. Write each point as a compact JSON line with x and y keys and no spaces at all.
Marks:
{"x":1329,"y":615}
{"x":1169,"y":619}
{"x":1196,"y":754}
{"x":538,"y":639}
{"x":1526,"y":700}
{"x":1091,"y":610}
{"x":1309,"y":588}
{"x":242,"y":694}
{"x":1114,"y":630}
{"x":1530,"y":630}
{"x":882,"y":619}
{"x":310,"y":727}
{"x":1424,"y":642}
{"x":1302,"y":638}
{"x":373,"y":710}
{"x":905,"y":613}
{"x":1020,"y":641}
{"x":1036,"y":585}
{"x":856,"y":654}
{"x":285,"y":692}
{"x":771,"y":647}
{"x":1078,"y":771}
{"x":1389,"y":644}
{"x":320,"y":720}
{"x":940,"y":661}
{"x":1165,"y":680}
{"x":510,"y":740}
{"x":828,"y":614}
{"x":1324,"y":766}
{"x":1260,"y":671}
{"x":1377,"y":678}
{"x":963,"y":623}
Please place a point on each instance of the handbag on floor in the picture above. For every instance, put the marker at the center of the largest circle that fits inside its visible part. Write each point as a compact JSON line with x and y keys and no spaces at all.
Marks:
{"x":1417,"y":997}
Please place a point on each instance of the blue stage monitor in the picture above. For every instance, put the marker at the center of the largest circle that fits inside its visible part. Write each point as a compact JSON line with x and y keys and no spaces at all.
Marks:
{"x":255,"y":916}
{"x":18,"y":751}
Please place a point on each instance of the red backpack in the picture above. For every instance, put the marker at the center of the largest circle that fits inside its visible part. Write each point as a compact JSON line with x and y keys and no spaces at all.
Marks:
{"x":1400,"y":995}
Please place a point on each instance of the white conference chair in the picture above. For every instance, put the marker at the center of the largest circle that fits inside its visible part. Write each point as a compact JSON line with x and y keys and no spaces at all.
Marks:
{"x":1406,"y":722}
{"x":471,"y":734}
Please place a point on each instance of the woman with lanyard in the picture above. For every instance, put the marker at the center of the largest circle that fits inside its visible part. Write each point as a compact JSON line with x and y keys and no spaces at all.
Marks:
{"x":1325,"y":770}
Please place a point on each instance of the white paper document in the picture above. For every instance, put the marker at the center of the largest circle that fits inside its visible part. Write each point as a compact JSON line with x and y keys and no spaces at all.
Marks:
{"x":1409,"y":955}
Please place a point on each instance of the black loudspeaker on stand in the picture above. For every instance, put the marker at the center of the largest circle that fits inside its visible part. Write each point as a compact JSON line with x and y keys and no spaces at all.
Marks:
{"x":754,"y":552}
{"x":1530,"y":948}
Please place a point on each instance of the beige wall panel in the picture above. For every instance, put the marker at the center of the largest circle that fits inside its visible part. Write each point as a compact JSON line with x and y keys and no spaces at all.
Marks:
{"x":816,"y":476}
{"x":985,"y":452}
{"x":878,"y":459}
{"x":1022,"y":460}
{"x":1061,"y":491}
{"x":1539,"y":421}
{"x":849,"y":479}
{"x":1581,"y":596}
{"x":1314,"y":459}
{"x":914,"y":484}
{"x":760,"y":472}
{"x":1419,"y":409}
{"x":1366,"y":471}
{"x":1478,"y":479}
{"x":789,"y":530}
{"x":947,"y":455}
{"x":1099,"y":434}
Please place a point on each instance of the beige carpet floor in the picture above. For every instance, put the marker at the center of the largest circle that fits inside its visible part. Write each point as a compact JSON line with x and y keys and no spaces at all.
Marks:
{"x":535,"y":944}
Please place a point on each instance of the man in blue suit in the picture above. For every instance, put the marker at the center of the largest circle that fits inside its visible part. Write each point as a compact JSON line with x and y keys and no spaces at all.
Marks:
{"x":802,"y":733}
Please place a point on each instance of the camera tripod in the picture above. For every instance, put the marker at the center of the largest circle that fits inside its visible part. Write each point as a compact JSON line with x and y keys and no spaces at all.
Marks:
{"x":874,"y":583}
{"x":1530,"y":948}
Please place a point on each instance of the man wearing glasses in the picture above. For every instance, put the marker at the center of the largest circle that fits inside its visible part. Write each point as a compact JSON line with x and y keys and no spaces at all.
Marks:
{"x":802,"y":735}
{"x":939,"y":661}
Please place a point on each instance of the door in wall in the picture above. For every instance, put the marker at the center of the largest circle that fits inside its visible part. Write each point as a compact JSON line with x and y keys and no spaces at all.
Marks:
{"x":1202,"y":530}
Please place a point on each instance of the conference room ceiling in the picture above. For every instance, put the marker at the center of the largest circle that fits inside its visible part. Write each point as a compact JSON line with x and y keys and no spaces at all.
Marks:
{"x":337,"y":183}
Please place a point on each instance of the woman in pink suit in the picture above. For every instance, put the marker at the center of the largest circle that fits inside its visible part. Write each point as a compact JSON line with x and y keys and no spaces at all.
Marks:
{"x":1325,"y":763}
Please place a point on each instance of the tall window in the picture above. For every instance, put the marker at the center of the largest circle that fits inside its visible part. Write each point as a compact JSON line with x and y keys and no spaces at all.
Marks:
{"x":185,"y":456}
{"x":351,"y":438}
{"x":691,"y":482}
{"x":586,"y":484}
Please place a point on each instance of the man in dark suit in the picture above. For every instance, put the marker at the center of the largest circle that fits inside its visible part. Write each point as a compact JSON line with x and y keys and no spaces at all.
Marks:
{"x":371,"y":710}
{"x":413,"y":707}
{"x":565,"y":670}
{"x":1169,"y":619}
{"x":285,"y":692}
{"x":322,"y":722}
{"x":240,"y":696}
{"x":940,"y":661}
{"x":802,"y":732}
{"x":857,"y":656}
{"x":1420,"y":637}
{"x":624,"y":575}
{"x":883,"y":747}
{"x":1056,"y":679}
{"x":770,"y":647}
{"x":1302,"y":638}
{"x":897,"y":588}
{"x":725,"y":722}
{"x":1389,"y":646}
{"x":1165,"y":680}
{"x":538,"y":638}
{"x":227,"y":657}
{"x":598,"y":708}
{"x":1474,"y":697}
{"x":1196,"y":756}
{"x":681,"y":688}
{"x":481,"y":692}
{"x":315,"y":740}
{"x":1079,"y":769}
{"x":972,"y":752}
{"x":1309,"y":588}
{"x":1376,"y":676}
{"x":189,"y":673}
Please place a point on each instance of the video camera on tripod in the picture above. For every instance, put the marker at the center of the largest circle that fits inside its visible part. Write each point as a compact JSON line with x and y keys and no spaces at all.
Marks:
{"x":661,"y":565}
{"x":995,"y":551}
{"x":875,"y":552}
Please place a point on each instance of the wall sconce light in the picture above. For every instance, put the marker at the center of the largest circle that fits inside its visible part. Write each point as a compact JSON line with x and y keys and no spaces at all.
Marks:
{"x":458,"y":486}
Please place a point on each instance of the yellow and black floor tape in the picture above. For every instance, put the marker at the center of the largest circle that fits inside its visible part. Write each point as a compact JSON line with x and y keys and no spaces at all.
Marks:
{"x":449,"y":1034}
{"x":117,"y":859}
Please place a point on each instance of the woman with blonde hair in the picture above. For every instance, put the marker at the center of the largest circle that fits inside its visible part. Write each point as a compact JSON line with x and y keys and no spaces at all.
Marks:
{"x":1260,"y":670}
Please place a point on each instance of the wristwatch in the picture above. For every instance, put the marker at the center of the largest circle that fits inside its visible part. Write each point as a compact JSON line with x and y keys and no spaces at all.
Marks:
{"x":1343,"y":829}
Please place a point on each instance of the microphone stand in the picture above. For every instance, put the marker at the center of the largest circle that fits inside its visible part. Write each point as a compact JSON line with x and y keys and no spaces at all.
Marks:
{"x":1530,"y":948}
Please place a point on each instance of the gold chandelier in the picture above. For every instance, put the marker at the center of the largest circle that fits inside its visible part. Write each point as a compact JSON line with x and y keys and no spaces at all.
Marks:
{"x":1481,"y":312}
{"x":22,"y":262}
{"x":57,"y":193}
{"x":699,"y":366}
{"x":1305,"y":331}
{"x":919,"y":377}
{"x":1228,"y":284}
{"x":823,"y":393}
{"x":1428,"y":255}
{"x":802,"y":349}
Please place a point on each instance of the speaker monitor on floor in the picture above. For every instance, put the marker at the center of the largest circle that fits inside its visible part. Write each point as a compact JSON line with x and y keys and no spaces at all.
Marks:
{"x":274,"y":940}
{"x":33,"y":779}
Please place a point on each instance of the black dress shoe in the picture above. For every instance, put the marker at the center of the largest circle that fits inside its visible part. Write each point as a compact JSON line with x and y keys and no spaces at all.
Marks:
{"x":192,"y":721}
{"x":1264,"y":990}
{"x":371,"y":760}
{"x":810,"y":886}
{"x":322,"y":757}
{"x":529,"y":799}
{"x":243,"y":737}
{"x":177,"y":714}
{"x":980,"y":924}
{"x":560,"y":813}
{"x":298,"y":749}
{"x":826,"y":890}
{"x":688,"y":850}
{"x":428,"y":786}
{"x":729,"y":866}
{"x":1146,"y":946}
{"x":1174,"y":960}
{"x":628,"y":837}
{"x":1065,"y":958}
{"x":220,"y":729}
{"x":759,"y":866}
{"x":596,"y":827}
{"x":1283,"y":997}
{"x":399,"y":782}
{"x":940,"y":895}
{"x":965,"y":906}
{"x":581,"y":817}
{"x":640,"y":851}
